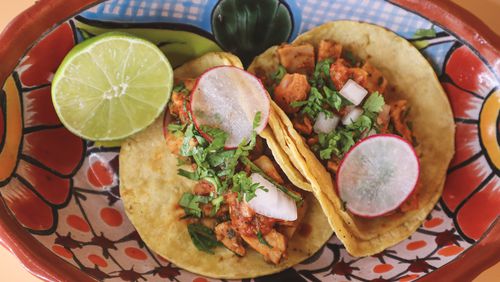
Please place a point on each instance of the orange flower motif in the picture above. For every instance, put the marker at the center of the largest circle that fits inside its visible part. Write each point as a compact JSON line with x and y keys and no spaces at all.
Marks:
{"x":472,"y":195}
{"x":38,"y":155}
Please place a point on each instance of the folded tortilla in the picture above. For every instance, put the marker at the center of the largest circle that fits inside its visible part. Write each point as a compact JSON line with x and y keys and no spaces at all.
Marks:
{"x":410,"y":77}
{"x":151,"y":188}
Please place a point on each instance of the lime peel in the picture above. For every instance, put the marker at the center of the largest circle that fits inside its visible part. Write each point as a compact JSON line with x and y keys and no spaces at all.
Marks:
{"x":111,"y":86}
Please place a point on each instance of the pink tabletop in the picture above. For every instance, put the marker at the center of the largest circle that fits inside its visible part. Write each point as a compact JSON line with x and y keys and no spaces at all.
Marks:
{"x":12,"y":270}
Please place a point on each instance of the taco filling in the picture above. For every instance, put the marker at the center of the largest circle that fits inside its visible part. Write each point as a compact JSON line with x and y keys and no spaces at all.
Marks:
{"x":334,"y":100}
{"x":241,"y":199}
{"x":330,"y":102}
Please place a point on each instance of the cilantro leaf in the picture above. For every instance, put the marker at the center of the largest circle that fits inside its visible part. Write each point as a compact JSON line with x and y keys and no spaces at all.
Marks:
{"x":421,"y":32}
{"x":363,"y":123}
{"x":374,"y":103}
{"x":338,"y":142}
{"x":323,"y":93}
{"x":207,"y":156}
{"x":328,"y":145}
{"x":181,"y":88}
{"x":279,"y":74}
{"x":253,"y":137}
{"x":262,"y":240}
{"x":186,"y":143}
{"x":335,"y":143}
{"x":213,"y":162}
{"x":256,"y":120}
{"x":347,"y":141}
{"x":191,"y":204}
{"x":314,"y":103}
{"x":318,"y":101}
{"x":297,"y":104}
{"x":333,"y":98}
{"x":176,"y":129}
{"x":188,"y":174}
{"x":216,"y":202}
{"x":218,"y":136}
{"x":203,"y":237}
{"x":326,"y":153}
{"x":182,"y":161}
{"x":243,"y":150}
{"x":244,"y":186}
{"x":255,"y":168}
{"x":323,"y":68}
{"x":321,"y":74}
{"x":219,"y":158}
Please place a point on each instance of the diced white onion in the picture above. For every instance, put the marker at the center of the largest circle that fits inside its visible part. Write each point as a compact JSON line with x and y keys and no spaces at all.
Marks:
{"x":325,"y":124}
{"x":353,"y":92}
{"x":352,"y":116}
{"x":272,"y":203}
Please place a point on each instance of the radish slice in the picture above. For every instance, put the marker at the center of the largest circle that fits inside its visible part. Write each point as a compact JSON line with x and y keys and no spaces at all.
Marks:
{"x":325,"y":124}
{"x":353,"y":92}
{"x":377,"y":175}
{"x":272,"y":203}
{"x":228,"y":98}
{"x":352,"y":116}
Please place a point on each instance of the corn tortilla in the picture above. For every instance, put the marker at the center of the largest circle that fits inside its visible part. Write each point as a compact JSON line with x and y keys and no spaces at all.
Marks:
{"x":410,"y":77}
{"x":151,"y":188}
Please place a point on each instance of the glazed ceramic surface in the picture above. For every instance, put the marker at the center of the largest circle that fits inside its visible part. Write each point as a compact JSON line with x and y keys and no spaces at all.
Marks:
{"x":65,"y":192}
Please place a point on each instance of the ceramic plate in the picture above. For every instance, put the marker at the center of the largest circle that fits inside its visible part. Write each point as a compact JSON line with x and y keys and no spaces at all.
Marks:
{"x":62,"y":213}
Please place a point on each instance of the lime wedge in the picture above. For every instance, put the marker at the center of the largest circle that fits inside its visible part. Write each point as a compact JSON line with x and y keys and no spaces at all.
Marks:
{"x":111,"y":86}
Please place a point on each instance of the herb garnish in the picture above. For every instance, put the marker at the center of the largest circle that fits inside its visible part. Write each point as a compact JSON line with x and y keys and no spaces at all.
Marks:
{"x":334,"y":143}
{"x":216,"y":202}
{"x":213,"y":163}
{"x":321,"y":75}
{"x":262,"y":240}
{"x":176,"y":129}
{"x":313,"y":104}
{"x":191,"y":204}
{"x":279,"y":74}
{"x":200,"y":152}
{"x":216,"y":165}
{"x":255,"y":168}
{"x":317,"y":100}
{"x":244,"y":186}
{"x":338,"y":142}
{"x":374,"y":103}
{"x":203,"y":237}
{"x":181,"y":88}
{"x":323,"y":96}
{"x":333,"y":98}
{"x":218,"y":138}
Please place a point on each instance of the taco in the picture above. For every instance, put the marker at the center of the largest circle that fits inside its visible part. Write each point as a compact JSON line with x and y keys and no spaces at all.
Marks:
{"x":191,"y":203}
{"x":341,"y":82}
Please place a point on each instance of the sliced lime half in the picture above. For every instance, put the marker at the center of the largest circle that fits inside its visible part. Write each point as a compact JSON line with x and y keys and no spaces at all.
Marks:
{"x":111,"y":86}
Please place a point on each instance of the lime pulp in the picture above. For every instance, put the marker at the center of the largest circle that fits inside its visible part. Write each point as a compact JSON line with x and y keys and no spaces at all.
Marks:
{"x":111,"y":86}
